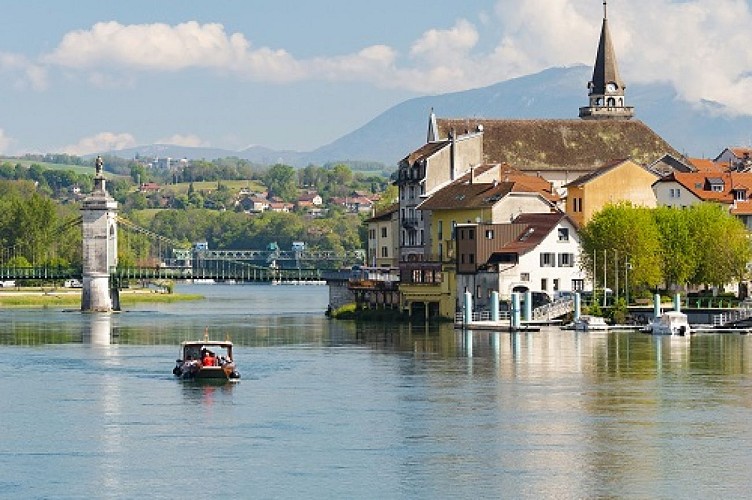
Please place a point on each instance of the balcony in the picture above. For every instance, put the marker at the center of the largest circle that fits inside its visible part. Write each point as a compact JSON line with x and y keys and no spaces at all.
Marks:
{"x":411,"y":223}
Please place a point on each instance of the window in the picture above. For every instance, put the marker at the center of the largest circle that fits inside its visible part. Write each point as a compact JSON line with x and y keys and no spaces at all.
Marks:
{"x":372,"y":234}
{"x":556,"y":284}
{"x":524,"y":276}
{"x":566,"y":260}
{"x":740,"y":195}
{"x":454,"y":228}
{"x":577,"y":204}
{"x":478,"y":292}
{"x":471,"y":258}
{"x":471,"y":234}
{"x":544,"y":284}
{"x":578,"y":285}
{"x":563,"y":234}
{"x":383,"y":232}
{"x":385,"y":251}
{"x":489,"y":234}
{"x":441,"y":230}
{"x":547,"y":259}
{"x":675,"y":193}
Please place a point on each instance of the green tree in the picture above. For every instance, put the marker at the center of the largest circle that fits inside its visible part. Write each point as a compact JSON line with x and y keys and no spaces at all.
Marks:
{"x":678,"y":246}
{"x":281,"y":180}
{"x":721,"y":245}
{"x":620,"y":231}
{"x":389,"y":197}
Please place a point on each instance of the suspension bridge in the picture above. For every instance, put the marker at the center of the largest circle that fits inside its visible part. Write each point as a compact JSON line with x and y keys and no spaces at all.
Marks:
{"x":160,"y":258}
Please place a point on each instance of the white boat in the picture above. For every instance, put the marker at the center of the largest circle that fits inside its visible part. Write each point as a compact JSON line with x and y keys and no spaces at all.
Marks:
{"x":588,"y":323}
{"x":670,"y":323}
{"x":206,"y":360}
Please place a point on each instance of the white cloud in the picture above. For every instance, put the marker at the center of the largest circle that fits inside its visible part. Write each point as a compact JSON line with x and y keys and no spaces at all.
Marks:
{"x":101,"y":143}
{"x":700,"y":46}
{"x":28,"y":73}
{"x":161,"y":47}
{"x":436,"y":43}
{"x":190,"y":140}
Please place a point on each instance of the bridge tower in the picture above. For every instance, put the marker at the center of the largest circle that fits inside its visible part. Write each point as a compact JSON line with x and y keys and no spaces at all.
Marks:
{"x":99,"y":228}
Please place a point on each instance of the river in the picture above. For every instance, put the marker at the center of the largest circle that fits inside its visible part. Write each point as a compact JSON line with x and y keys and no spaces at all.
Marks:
{"x":329,"y":409}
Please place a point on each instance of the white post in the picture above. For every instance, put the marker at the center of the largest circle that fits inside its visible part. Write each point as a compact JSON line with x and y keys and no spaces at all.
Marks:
{"x":494,"y":306}
{"x":468,"y":307}
{"x":515,"y":323}
{"x":528,"y":306}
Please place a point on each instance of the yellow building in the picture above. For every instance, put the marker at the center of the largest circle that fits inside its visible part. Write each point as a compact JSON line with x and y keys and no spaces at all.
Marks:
{"x":618,"y":181}
{"x":429,"y":288}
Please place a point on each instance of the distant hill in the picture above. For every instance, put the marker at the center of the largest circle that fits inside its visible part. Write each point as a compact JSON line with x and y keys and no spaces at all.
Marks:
{"x":553,"y":93}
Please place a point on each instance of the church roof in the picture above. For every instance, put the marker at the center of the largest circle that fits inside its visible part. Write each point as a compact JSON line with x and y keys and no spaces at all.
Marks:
{"x":605,"y":70}
{"x":574,"y":145}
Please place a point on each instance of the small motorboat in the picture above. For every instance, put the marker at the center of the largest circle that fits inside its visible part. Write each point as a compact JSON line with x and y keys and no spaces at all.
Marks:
{"x":206,"y":360}
{"x":588,"y":323}
{"x":670,"y":323}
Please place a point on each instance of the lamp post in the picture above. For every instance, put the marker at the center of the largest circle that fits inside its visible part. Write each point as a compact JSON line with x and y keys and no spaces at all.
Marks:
{"x":627,"y":267}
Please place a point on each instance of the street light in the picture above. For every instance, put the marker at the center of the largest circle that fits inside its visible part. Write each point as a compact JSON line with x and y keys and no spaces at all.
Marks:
{"x":627,"y":267}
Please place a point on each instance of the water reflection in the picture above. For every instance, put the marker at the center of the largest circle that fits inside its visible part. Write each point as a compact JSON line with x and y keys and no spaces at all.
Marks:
{"x":206,"y":393}
{"x":98,"y":329}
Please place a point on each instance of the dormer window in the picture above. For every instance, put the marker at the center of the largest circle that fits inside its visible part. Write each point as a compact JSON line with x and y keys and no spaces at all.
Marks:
{"x":715,"y":184}
{"x":740,"y":194}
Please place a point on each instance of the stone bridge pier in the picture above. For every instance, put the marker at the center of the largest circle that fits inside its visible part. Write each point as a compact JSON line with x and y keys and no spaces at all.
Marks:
{"x":99,"y":226}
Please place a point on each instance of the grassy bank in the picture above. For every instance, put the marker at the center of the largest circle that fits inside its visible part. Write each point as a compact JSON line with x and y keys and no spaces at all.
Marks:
{"x":72,"y":299}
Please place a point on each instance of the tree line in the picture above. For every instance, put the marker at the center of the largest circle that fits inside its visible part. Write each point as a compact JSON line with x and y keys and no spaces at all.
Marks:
{"x":648,"y":249}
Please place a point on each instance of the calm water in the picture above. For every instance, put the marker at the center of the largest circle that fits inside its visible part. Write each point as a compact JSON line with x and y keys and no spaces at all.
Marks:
{"x":335,"y":410}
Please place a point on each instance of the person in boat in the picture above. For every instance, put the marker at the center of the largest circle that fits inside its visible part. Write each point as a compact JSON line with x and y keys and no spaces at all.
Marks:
{"x":208,"y":359}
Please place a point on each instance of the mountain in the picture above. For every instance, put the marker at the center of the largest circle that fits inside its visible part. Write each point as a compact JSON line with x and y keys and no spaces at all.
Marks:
{"x":696,"y":130}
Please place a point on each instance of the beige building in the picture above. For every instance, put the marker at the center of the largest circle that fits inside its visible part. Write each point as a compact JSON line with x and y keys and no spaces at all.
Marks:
{"x":383,"y":245}
{"x":619,"y":181}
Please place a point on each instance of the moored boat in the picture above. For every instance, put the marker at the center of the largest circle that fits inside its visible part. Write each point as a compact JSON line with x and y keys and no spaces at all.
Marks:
{"x":670,"y":323}
{"x":588,"y":323}
{"x":206,"y":360}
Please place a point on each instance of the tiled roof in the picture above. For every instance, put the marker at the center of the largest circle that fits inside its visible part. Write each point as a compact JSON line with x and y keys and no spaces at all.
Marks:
{"x":538,"y":227}
{"x":596,"y":173}
{"x":384,"y":214}
{"x":741,"y":152}
{"x":535,"y":145}
{"x":705,"y":165}
{"x":697,"y":183}
{"x":426,"y":151}
{"x":477,"y":195}
{"x":742,"y":208}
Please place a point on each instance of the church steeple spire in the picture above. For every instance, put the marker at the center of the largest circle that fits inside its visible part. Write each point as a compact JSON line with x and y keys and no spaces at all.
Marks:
{"x":606,"y":89}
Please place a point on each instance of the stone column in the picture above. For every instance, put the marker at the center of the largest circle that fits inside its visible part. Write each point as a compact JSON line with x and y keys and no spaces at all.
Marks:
{"x":99,"y":227}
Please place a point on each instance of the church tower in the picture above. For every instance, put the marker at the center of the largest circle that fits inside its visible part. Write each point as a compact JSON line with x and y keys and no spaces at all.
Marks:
{"x":606,"y":89}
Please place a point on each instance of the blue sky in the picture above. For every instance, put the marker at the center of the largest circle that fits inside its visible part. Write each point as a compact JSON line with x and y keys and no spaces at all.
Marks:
{"x":87,"y":76}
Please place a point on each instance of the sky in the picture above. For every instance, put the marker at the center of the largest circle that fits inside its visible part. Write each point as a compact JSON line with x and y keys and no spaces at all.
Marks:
{"x":89,"y":76}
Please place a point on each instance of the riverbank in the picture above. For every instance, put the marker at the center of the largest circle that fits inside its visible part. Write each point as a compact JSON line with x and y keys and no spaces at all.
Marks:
{"x":66,"y":297}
